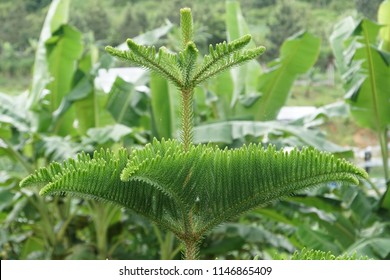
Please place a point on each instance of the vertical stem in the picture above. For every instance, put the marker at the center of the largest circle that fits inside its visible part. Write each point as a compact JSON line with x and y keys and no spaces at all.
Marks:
{"x":187,"y":115}
{"x":186,"y":26}
{"x":191,"y":249}
{"x":186,"y":94}
{"x":385,"y":158}
{"x":385,"y":152}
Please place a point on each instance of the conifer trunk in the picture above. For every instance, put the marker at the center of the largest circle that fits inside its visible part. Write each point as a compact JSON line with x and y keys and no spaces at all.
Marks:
{"x":187,"y":118}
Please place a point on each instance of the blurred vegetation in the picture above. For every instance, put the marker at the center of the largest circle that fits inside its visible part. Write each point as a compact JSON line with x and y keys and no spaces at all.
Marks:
{"x":112,"y":20}
{"x":53,"y":121}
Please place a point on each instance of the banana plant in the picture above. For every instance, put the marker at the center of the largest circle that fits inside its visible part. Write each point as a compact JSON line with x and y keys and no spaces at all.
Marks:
{"x":186,"y":188}
{"x":364,"y":67}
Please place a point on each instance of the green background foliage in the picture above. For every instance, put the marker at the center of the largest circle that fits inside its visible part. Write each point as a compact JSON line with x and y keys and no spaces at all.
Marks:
{"x":39,"y":126}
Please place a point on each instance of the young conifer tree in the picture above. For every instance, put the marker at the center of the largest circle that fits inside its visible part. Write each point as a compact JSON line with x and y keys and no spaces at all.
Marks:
{"x":185,"y":188}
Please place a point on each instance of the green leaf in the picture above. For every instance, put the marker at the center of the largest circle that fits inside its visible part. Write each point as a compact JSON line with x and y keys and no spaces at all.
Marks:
{"x":223,"y":88}
{"x":275,"y":215}
{"x":384,"y":20}
{"x":13,"y":111}
{"x":297,"y":55}
{"x":165,"y":107}
{"x":125,"y":103}
{"x":375,"y":247}
{"x":365,"y":73}
{"x":58,"y":148}
{"x":152,"y":37}
{"x":111,"y":133}
{"x":64,"y":49}
{"x":246,"y":78}
{"x":57,"y":15}
{"x":227,"y":132}
{"x":83,"y":95}
{"x":316,"y":240}
{"x":369,"y":103}
{"x":333,"y":226}
{"x":342,"y":30}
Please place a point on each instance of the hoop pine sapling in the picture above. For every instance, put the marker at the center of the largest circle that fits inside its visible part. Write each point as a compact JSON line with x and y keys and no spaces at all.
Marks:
{"x":185,"y":188}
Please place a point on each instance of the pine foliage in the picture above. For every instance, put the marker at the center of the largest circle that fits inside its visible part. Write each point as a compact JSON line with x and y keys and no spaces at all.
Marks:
{"x":194,"y":190}
{"x":182,"y":68}
{"x":306,"y":254}
{"x":185,"y":188}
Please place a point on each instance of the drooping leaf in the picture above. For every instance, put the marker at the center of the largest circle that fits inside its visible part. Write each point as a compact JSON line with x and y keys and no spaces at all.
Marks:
{"x":165,"y":107}
{"x":384,"y":20}
{"x":227,"y":132}
{"x":59,"y":148}
{"x":317,"y":240}
{"x":297,"y":55}
{"x":246,"y":78}
{"x":64,"y":48}
{"x":365,"y":69}
{"x":342,"y":30}
{"x":150,"y":37}
{"x":13,"y":111}
{"x":83,"y":94}
{"x":57,"y":15}
{"x":111,"y":133}
{"x":369,"y":102}
{"x":374,"y":247}
{"x":127,"y":105}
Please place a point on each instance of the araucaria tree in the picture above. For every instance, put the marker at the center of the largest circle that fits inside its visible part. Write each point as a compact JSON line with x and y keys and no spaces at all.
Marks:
{"x":185,"y":188}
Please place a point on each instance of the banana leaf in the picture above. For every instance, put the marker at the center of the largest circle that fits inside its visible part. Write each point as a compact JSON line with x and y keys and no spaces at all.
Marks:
{"x":365,"y":70}
{"x":229,"y":131}
{"x":384,"y":20}
{"x":64,"y":49}
{"x":245,"y":78}
{"x":165,"y":107}
{"x":297,"y":55}
{"x":57,"y":15}
{"x":127,"y":105}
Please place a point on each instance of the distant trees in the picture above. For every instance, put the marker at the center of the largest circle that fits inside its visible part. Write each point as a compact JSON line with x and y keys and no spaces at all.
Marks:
{"x":287,"y":18}
{"x":18,"y":25}
{"x":368,"y":8}
{"x":272,"y":21}
{"x":96,"y":20}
